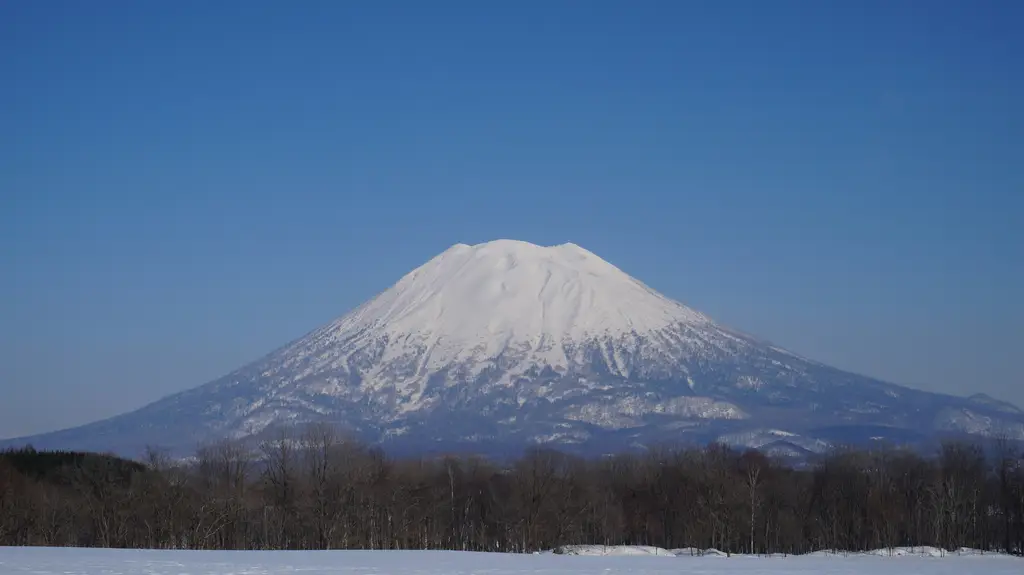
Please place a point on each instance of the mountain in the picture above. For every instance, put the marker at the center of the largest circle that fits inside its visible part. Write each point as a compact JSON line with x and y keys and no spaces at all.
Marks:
{"x":506,"y":344}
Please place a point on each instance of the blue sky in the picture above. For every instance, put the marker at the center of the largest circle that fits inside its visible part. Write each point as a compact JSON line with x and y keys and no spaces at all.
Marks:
{"x":187,"y":185}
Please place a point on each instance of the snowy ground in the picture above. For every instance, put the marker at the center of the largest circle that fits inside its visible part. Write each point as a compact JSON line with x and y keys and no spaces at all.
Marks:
{"x":635,"y":561}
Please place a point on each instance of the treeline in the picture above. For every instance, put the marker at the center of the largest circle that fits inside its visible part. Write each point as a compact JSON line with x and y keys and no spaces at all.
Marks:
{"x":319,"y":490}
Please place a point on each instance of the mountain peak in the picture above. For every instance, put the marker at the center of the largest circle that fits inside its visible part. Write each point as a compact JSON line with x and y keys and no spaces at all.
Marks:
{"x":517,"y":291}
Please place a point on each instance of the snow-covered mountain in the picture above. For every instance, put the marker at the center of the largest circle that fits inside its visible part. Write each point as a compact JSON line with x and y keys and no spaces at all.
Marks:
{"x":504,"y":344}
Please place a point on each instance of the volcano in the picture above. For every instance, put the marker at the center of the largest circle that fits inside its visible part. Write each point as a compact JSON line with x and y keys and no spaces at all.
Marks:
{"x":502,"y":345}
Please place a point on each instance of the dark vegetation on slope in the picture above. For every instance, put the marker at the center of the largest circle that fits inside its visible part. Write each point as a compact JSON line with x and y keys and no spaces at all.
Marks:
{"x":68,"y":468}
{"x":319,"y":490}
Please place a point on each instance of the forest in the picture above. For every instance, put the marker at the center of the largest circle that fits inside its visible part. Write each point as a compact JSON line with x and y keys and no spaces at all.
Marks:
{"x":315,"y":488}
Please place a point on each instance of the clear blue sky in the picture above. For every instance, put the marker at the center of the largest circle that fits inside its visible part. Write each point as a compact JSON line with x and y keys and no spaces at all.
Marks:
{"x":186,"y":185}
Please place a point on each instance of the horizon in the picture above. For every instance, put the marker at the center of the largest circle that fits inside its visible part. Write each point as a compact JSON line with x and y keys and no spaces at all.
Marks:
{"x":188,"y":187}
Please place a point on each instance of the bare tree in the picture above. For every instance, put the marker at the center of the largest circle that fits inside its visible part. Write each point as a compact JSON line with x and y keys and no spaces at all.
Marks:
{"x":753,"y":466}
{"x":280,"y":478}
{"x":320,"y":489}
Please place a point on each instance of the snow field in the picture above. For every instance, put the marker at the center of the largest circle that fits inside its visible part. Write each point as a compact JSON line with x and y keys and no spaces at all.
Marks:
{"x":590,"y":560}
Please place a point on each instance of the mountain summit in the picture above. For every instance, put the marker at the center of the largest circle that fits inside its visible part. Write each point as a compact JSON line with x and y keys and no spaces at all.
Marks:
{"x":505,"y":344}
{"x":509,"y":291}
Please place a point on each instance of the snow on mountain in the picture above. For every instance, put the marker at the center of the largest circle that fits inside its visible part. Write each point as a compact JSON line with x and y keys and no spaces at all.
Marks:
{"x":763,"y":439}
{"x":505,"y":302}
{"x":974,"y":422}
{"x":508,"y":291}
{"x":506,"y":343}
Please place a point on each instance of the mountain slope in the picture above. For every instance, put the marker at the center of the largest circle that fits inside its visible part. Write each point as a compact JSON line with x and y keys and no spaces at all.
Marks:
{"x":506,"y":343}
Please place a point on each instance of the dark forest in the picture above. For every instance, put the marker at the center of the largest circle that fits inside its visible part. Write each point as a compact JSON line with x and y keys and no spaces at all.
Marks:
{"x":317,"y":489}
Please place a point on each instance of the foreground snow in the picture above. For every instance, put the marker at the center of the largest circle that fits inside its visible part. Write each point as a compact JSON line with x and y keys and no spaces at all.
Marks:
{"x":633,"y":560}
